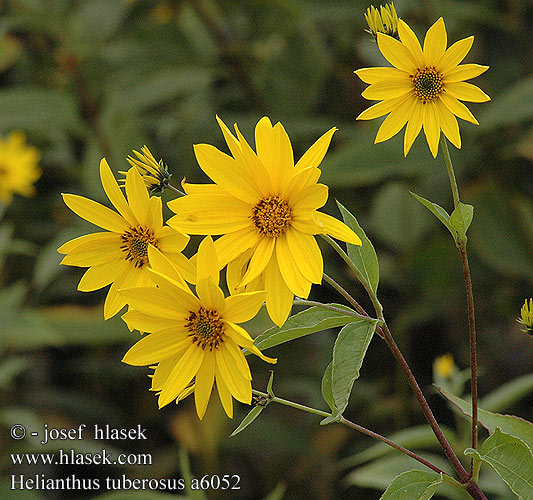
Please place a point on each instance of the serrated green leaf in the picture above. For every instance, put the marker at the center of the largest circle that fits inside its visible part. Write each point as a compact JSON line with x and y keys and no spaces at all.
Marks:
{"x":515,"y":426}
{"x":436,"y":210}
{"x":363,"y":256}
{"x":248,"y":419}
{"x":312,"y":320}
{"x":348,"y":355}
{"x":511,"y":458}
{"x":413,"y":485}
{"x":461,"y":218}
{"x":327,"y":392}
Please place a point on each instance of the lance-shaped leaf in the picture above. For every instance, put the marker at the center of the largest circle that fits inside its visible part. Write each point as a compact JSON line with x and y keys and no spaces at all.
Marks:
{"x":515,"y":426}
{"x":246,"y":421}
{"x":312,"y":320}
{"x":363,"y":256}
{"x":413,"y":485}
{"x":512,"y":460}
{"x":461,"y":218}
{"x":437,"y":211}
{"x":348,"y":355}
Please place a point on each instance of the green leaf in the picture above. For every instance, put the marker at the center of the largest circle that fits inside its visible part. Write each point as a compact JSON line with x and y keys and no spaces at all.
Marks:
{"x":508,"y":394}
{"x":327,"y":391}
{"x":363,"y":256}
{"x":348,"y":354}
{"x":436,"y":210}
{"x":515,"y":426}
{"x":511,"y":459}
{"x":312,"y":320}
{"x":248,"y":419}
{"x":413,"y":485}
{"x":277,"y":493}
{"x":461,"y":219}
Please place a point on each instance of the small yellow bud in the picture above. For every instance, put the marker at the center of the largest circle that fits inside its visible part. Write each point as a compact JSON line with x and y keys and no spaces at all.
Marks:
{"x":526,"y":317}
{"x":385,"y":20}
{"x":155,"y":174}
{"x":444,"y":366}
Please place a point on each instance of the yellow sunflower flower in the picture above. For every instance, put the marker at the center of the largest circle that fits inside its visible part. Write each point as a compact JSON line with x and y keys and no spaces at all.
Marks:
{"x":119,"y":256}
{"x":265,"y":206}
{"x":193,"y":337}
{"x":425,"y":87}
{"x":18,"y":167}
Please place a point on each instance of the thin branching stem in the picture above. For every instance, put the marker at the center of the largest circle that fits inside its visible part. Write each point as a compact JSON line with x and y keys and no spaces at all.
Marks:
{"x":329,"y":307}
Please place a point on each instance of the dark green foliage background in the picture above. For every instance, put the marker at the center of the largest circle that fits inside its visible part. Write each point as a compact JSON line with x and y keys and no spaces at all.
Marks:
{"x":94,"y":78}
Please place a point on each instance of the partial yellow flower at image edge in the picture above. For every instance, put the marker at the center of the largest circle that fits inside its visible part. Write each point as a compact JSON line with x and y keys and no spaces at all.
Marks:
{"x":266,"y":209}
{"x":424,"y":88}
{"x":118,"y":256}
{"x":193,"y":336}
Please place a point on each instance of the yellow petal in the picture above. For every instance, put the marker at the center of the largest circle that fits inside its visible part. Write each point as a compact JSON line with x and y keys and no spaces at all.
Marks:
{"x":432,"y":128}
{"x":203,"y":384}
{"x":96,"y":213}
{"x":243,"y":307}
{"x":435,"y":43}
{"x":143,"y":322}
{"x":185,"y":266}
{"x":464,"y":72}
{"x":396,"y":119}
{"x":381,"y":108}
{"x":292,"y":276}
{"x":378,"y":74}
{"x":155,"y":301}
{"x":184,"y":300}
{"x":224,"y":393}
{"x":279,"y":297}
{"x":238,"y":385}
{"x":235,"y":271}
{"x":304,"y":177}
{"x":307,"y":255}
{"x":215,"y":214}
{"x":396,"y":53}
{"x":409,"y":39}
{"x":205,"y":189}
{"x":337,"y":229}
{"x":210,"y":295}
{"x":162,"y":372}
{"x":227,"y":172}
{"x":448,"y":124}
{"x":309,"y":198}
{"x":454,"y":55}
{"x":315,"y":154}
{"x":154,"y":219}
{"x":207,"y":261}
{"x":97,"y":277}
{"x":90,"y":242}
{"x":89,"y":251}
{"x":184,"y":371}
{"x":114,"y":193}
{"x":230,"y":246}
{"x":171,"y":240}
{"x":238,"y":360}
{"x":137,"y":194}
{"x":162,"y":264}
{"x":388,"y":89}
{"x":458,"y":108}
{"x":414,"y":126}
{"x":262,"y":254}
{"x":305,"y":225}
{"x":466,"y":92}
{"x":114,"y":301}
{"x":157,"y":347}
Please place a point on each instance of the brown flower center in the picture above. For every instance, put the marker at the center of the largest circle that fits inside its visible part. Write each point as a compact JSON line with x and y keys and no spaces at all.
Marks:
{"x":135,"y":244}
{"x":205,"y":327}
{"x":427,"y":83}
{"x":272,"y":216}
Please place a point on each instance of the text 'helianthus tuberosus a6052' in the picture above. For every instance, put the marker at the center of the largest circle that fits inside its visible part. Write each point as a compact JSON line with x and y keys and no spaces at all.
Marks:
{"x":266,"y":209}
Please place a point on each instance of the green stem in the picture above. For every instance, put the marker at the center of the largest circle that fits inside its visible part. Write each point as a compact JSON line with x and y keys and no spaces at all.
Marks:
{"x":469,"y":301}
{"x":449,"y":167}
{"x":174,"y":188}
{"x":352,"y":425}
{"x":329,"y":307}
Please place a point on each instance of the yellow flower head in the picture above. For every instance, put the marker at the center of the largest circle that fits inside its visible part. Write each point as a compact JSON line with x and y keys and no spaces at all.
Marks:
{"x":444,"y":366}
{"x":526,"y":317}
{"x":18,"y":167}
{"x":155,"y":174}
{"x":193,"y":336}
{"x":265,"y":206}
{"x":385,"y":20}
{"x":119,"y":255}
{"x":424,"y":88}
